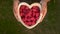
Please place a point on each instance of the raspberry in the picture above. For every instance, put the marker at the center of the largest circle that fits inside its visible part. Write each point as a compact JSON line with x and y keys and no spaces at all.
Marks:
{"x":29,"y":15}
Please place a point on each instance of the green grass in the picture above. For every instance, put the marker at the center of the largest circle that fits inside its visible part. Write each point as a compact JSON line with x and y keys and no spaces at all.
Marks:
{"x":9,"y":24}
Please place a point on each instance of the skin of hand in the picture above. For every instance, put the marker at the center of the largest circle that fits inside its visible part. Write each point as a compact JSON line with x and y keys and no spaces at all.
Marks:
{"x":44,"y":8}
{"x":15,"y":8}
{"x":43,"y":11}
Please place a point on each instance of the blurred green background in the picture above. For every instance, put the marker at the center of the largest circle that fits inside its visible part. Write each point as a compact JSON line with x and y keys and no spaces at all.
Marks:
{"x":9,"y":24}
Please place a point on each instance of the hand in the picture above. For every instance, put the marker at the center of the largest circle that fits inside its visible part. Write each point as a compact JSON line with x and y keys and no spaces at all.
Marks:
{"x":44,"y":8}
{"x":15,"y":8}
{"x":45,"y":0}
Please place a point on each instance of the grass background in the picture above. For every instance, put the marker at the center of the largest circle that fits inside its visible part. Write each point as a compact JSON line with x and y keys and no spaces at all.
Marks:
{"x":9,"y":24}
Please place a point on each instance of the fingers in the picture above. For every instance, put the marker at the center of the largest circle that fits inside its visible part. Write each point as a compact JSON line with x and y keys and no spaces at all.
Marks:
{"x":15,"y":8}
{"x":44,"y":8}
